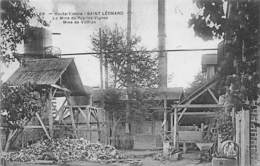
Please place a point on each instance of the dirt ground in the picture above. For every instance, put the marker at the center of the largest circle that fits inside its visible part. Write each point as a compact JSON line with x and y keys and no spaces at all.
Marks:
{"x":143,"y":158}
{"x":190,"y":159}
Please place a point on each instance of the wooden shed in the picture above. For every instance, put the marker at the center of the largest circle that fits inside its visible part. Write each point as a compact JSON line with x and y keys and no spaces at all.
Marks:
{"x":59,"y":77}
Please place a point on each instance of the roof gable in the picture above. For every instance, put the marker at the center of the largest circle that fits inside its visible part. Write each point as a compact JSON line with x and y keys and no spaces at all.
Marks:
{"x":48,"y":72}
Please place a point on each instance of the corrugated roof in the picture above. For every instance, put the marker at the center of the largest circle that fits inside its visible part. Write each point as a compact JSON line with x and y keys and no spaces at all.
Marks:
{"x":49,"y":71}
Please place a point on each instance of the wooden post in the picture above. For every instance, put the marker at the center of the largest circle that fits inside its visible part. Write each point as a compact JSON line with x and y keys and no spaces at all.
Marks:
{"x":89,"y":124}
{"x":73,"y":122}
{"x":165,"y":128}
{"x":234,"y":122}
{"x":165,"y":118}
{"x":72,"y":117}
{"x":171,"y":120}
{"x":86,"y":117}
{"x":184,"y":147}
{"x":202,"y":127}
{"x":50,"y":114}
{"x":175,"y":133}
{"x":238,"y":133}
{"x":101,"y":59}
{"x":245,"y":152}
{"x":1,"y":148}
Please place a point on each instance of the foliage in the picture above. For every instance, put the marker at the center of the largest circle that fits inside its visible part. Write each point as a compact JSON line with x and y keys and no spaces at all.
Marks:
{"x":19,"y":104}
{"x":142,"y":99}
{"x":225,"y":126}
{"x":113,"y":103}
{"x":199,"y":80}
{"x":139,"y":68}
{"x":15,"y":20}
{"x":239,"y":27}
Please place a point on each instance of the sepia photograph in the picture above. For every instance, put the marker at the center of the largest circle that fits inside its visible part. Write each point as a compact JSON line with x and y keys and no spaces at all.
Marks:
{"x":130,"y":83}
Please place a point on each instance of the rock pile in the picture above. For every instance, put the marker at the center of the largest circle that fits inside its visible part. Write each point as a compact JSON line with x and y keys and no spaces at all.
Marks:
{"x":64,"y":150}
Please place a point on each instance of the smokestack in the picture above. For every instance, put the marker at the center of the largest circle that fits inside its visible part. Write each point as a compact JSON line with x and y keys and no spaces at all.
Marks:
{"x":161,"y":44}
{"x":129,"y":22}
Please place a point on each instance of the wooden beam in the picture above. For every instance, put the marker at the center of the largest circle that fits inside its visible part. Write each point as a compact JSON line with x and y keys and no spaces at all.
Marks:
{"x":34,"y":127}
{"x":83,"y":114}
{"x":159,"y":109}
{"x":197,"y":95}
{"x":53,"y":93}
{"x":198,"y":106}
{"x":213,"y":96}
{"x":199,"y":113}
{"x":62,"y":110}
{"x":183,"y":111}
{"x":60,"y":88}
{"x":42,"y":124}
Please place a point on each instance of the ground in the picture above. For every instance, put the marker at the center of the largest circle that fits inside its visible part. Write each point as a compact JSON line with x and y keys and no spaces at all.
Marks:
{"x":136,"y":158}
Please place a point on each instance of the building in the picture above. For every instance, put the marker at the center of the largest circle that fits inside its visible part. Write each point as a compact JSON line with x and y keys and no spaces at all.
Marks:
{"x":146,"y":125}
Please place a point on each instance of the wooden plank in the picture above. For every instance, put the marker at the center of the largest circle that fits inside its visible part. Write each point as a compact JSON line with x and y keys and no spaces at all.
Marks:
{"x":245,"y":151}
{"x":212,"y":95}
{"x":45,"y":130}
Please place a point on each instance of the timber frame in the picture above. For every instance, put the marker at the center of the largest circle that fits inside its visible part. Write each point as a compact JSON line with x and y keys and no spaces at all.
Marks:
{"x":177,"y":111}
{"x":88,"y":112}
{"x":59,"y":77}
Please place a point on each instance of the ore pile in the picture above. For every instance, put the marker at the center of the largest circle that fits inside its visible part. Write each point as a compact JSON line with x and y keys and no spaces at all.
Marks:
{"x":64,"y":150}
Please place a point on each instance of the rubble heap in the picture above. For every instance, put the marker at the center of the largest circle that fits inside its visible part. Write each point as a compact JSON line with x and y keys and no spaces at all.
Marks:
{"x":64,"y":150}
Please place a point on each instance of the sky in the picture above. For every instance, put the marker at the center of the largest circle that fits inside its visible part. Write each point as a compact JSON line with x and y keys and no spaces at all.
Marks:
{"x":75,"y":38}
